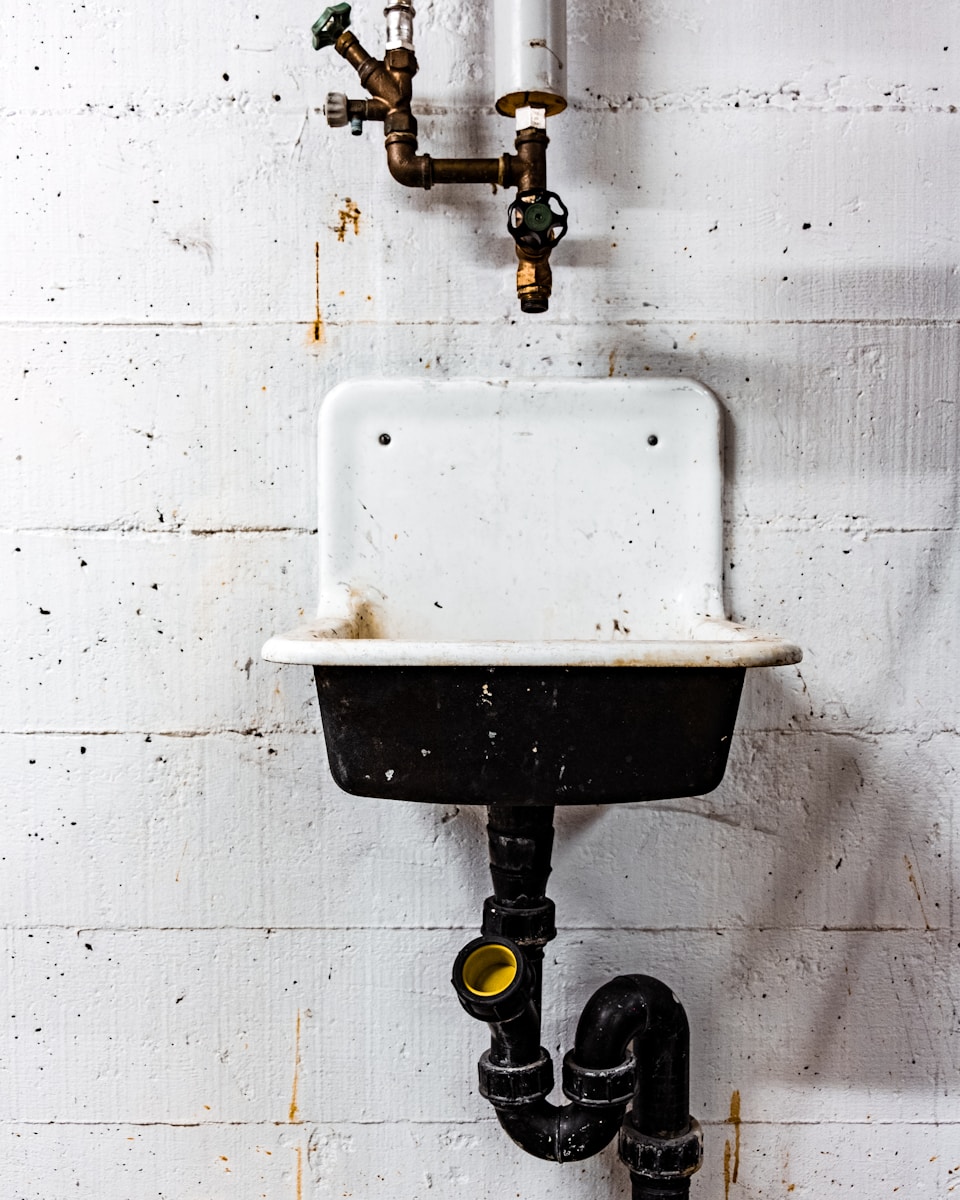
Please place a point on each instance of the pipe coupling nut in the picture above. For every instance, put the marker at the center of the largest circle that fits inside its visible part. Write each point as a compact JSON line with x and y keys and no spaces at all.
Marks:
{"x":533,"y":926}
{"x":661,"y":1158}
{"x":509,"y":1087}
{"x":599,"y":1087}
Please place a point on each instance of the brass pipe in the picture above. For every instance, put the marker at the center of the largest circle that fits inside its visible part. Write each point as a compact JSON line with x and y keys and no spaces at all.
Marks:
{"x":534,"y":275}
{"x":529,"y":164}
{"x":420,"y":170}
{"x":470,"y":170}
{"x":406,"y":165}
{"x":368,"y":110}
{"x":526,"y":170}
{"x":534,"y":280}
{"x":390,"y":84}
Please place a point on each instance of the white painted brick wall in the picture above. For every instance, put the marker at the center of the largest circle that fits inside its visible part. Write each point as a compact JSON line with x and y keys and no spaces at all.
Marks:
{"x":226,"y":980}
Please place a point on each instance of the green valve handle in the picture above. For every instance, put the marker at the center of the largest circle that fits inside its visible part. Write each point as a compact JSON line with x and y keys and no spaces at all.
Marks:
{"x":329,"y":25}
{"x":537,"y":220}
{"x":538,"y":217}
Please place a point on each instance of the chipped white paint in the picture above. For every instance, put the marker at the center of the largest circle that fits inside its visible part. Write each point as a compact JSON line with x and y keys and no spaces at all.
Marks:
{"x":161,"y":796}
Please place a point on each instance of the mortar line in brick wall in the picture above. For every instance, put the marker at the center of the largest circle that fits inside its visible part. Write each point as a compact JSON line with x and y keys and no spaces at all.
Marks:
{"x":452,"y":323}
{"x":156,"y":531}
{"x":860,"y":733}
{"x":787,"y":526}
{"x":259,"y":731}
{"x":785,"y":99}
{"x":719,"y":1123}
{"x":794,"y":525}
{"x":720,"y":930}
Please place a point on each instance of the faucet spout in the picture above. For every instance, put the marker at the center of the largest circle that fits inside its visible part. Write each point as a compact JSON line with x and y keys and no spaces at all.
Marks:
{"x":534,"y":281}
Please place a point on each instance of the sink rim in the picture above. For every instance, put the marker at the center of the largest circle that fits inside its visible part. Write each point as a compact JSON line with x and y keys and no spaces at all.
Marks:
{"x":714,"y":642}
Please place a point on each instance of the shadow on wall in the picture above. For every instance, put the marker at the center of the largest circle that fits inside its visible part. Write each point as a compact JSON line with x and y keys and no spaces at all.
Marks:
{"x":812,"y":905}
{"x":844,"y":948}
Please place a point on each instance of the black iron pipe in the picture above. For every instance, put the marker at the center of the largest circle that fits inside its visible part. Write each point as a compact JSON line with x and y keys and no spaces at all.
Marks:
{"x":568,"y":1133}
{"x":559,"y":1134}
{"x":508,"y":1007}
{"x":516,"y":1043}
{"x":635,"y":1011}
{"x":620,"y":1012}
{"x":666,"y":1189}
{"x":520,"y":841}
{"x":641,"y":1010}
{"x":630,"y":1010}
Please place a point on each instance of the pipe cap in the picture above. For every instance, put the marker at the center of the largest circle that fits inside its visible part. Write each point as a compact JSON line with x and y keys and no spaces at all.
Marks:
{"x":490,"y":976}
{"x":335,"y":110}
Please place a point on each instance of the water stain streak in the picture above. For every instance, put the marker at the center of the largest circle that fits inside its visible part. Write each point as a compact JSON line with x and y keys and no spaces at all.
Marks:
{"x":296,"y":1074}
{"x":731,"y":1170}
{"x":911,"y":875}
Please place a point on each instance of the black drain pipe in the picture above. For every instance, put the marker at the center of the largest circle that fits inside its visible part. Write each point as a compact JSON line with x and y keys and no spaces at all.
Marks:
{"x":498,"y":979}
{"x":660,"y":1142}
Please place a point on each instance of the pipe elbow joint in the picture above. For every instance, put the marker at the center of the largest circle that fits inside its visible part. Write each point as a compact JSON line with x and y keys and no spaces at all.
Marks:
{"x":566,"y":1134}
{"x":628,"y":1007}
{"x":405,"y":164}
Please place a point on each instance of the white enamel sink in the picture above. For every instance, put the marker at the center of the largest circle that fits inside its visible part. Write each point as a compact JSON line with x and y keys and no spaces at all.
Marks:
{"x":520,"y":592}
{"x":710,"y":642}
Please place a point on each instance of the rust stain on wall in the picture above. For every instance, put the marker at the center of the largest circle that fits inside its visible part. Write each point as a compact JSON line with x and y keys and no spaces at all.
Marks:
{"x":318,"y":332}
{"x":296,"y":1073}
{"x":731,"y":1155}
{"x":349,"y":215}
{"x":183,"y":855}
{"x":791,"y":1187}
{"x":299,"y":1173}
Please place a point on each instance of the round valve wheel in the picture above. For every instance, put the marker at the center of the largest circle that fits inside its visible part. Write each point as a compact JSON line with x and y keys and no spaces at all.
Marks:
{"x":537,"y":220}
{"x":330,"y":24}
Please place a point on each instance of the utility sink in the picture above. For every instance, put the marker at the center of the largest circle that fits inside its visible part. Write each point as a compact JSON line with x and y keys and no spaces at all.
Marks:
{"x":520,"y":592}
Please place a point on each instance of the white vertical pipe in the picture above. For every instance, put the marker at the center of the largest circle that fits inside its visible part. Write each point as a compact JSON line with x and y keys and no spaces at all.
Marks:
{"x":530,"y":54}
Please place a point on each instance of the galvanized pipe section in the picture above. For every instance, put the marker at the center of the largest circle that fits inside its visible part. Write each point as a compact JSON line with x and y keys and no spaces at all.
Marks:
{"x":400,"y":16}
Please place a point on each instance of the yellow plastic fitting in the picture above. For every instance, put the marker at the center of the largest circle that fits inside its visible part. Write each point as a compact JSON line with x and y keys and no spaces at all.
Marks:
{"x":490,"y":970}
